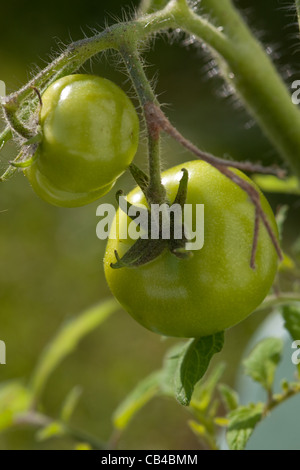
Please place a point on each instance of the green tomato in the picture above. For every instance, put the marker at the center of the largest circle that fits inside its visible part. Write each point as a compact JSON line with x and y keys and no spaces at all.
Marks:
{"x":216,"y":288}
{"x":90,"y":135}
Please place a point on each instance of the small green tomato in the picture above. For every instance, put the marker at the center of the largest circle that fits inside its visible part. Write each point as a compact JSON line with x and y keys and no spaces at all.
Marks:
{"x":90,"y":133}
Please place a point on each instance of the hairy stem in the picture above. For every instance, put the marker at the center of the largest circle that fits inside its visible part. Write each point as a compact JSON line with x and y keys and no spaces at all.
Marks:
{"x":253,"y":75}
{"x":248,"y":68}
{"x":208,"y":157}
{"x":155,"y":114}
{"x":77,"y":53}
{"x":155,"y":192}
{"x":16,"y":124}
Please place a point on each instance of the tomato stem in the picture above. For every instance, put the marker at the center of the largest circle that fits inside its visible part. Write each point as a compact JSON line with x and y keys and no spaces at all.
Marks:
{"x":14,"y":121}
{"x":242,"y":60}
{"x":155,"y":192}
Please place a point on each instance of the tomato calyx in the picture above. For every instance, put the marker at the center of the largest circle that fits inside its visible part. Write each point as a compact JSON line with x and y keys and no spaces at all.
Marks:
{"x":147,"y":248}
{"x":141,"y":178}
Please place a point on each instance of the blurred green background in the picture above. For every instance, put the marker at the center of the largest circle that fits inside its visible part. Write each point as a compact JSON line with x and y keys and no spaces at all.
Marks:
{"x":50,"y":258}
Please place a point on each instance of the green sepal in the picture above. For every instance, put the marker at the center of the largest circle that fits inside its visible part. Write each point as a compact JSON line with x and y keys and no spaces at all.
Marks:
{"x":138,"y":211}
{"x":141,"y":179}
{"x":142,"y":252}
{"x":25,"y":163}
{"x":36,"y":139}
{"x":182,"y":189}
{"x":5,"y":136}
{"x":145,"y":250}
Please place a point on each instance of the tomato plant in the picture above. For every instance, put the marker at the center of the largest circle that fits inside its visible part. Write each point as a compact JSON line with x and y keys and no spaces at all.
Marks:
{"x":90,"y":133}
{"x":73,"y":135}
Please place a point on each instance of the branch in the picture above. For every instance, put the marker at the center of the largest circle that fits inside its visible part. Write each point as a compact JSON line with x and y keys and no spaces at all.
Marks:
{"x":255,"y":239}
{"x":276,"y":400}
{"x":154,"y":114}
{"x":282,"y":298}
{"x":35,"y":419}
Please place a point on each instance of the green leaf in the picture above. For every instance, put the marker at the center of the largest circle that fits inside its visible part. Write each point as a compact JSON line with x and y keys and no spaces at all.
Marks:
{"x":197,"y":428}
{"x":193,"y":363}
{"x":66,"y":341}
{"x":263,"y":360}
{"x":242,"y":422}
{"x":291,"y":315}
{"x":204,"y":391}
{"x":14,"y":399}
{"x":229,"y":397}
{"x":55,"y":429}
{"x":139,"y":397}
{"x":70,"y":404}
{"x":169,"y":368}
{"x":272,"y":184}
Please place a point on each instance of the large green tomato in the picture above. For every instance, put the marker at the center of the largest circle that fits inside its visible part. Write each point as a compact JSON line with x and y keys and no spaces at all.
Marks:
{"x":90,"y":135}
{"x":216,"y":288}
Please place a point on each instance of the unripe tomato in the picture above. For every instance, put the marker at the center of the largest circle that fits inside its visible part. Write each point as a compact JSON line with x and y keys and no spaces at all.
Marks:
{"x":90,"y":135}
{"x":214,"y":289}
